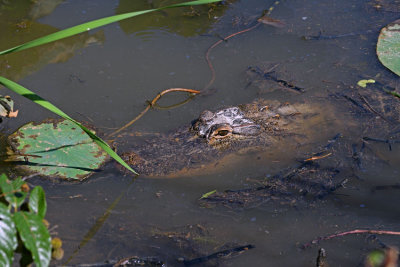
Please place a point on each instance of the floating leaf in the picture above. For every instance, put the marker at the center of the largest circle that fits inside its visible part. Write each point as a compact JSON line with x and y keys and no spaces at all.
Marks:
{"x":388,"y":47}
{"x":35,"y":236}
{"x":11,"y":191}
{"x":363,"y":83}
{"x":206,"y":195}
{"x":56,"y":149}
{"x":37,"y":201}
{"x":8,"y":236}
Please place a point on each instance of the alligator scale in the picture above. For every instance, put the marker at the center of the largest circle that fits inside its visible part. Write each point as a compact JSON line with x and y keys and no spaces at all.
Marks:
{"x":217,"y":136}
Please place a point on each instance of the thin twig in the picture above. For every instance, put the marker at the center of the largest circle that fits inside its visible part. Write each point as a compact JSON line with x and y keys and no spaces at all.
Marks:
{"x":218,"y":255}
{"x":357,"y":231}
{"x":152,"y":104}
{"x":266,"y":12}
{"x":216,"y":44}
{"x":318,"y":157}
{"x":372,"y":109}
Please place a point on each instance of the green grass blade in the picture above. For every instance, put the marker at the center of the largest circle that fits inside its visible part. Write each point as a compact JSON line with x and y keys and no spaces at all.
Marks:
{"x":93,"y":25}
{"x":47,"y":105}
{"x":393,"y":93}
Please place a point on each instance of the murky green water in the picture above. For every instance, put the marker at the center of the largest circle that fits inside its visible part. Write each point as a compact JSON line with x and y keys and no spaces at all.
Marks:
{"x":104,"y":78}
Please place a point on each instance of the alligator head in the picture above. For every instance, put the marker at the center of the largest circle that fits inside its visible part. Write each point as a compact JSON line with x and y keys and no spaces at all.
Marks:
{"x":259,"y":126}
{"x":223,"y":124}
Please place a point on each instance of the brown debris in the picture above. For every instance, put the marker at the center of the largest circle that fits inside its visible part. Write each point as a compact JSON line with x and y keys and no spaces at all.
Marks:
{"x":272,"y":22}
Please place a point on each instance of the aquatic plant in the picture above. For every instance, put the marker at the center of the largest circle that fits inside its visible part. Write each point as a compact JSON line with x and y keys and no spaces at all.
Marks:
{"x":70,"y":32}
{"x":388,"y":46}
{"x":55,"y":149}
{"x":22,"y":227}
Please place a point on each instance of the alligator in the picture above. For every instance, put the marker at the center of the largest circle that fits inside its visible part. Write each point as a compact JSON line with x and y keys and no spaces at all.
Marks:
{"x":222,"y":137}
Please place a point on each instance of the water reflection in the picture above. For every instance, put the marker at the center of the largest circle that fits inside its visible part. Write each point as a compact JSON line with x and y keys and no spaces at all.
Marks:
{"x":41,"y":8}
{"x":19,"y":25}
{"x":188,"y":21}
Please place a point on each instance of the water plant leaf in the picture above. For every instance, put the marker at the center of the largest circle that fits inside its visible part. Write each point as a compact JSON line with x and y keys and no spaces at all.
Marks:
{"x":37,"y":201}
{"x":8,"y":236}
{"x":206,"y":195}
{"x":34,"y":236}
{"x":95,"y":24}
{"x":11,"y":191}
{"x":47,"y":105}
{"x":388,"y":46}
{"x":363,"y":83}
{"x":56,"y":149}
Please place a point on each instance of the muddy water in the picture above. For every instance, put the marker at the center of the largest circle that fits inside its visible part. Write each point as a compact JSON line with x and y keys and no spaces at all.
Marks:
{"x":105,"y":77}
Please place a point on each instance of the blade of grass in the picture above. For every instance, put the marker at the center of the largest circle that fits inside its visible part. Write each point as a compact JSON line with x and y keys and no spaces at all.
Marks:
{"x":93,"y":25}
{"x":19,"y":89}
{"x":393,"y":93}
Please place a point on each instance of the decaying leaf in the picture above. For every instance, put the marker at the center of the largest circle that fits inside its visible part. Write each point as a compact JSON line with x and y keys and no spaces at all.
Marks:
{"x":272,"y":22}
{"x":7,"y":107}
{"x":55,"y":148}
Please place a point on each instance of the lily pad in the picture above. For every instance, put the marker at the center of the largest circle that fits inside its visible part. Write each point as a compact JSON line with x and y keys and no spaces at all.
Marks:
{"x":56,"y":148}
{"x":388,"y":47}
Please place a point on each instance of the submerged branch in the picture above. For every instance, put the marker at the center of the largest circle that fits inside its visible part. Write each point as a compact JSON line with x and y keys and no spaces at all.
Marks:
{"x":357,"y":231}
{"x":217,"y":255}
{"x":330,"y":37}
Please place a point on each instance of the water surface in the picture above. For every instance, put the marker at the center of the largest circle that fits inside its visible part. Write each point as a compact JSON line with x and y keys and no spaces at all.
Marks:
{"x":104,"y":78}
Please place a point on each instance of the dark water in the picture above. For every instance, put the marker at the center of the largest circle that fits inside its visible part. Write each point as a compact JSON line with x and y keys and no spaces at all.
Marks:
{"x":104,"y":77}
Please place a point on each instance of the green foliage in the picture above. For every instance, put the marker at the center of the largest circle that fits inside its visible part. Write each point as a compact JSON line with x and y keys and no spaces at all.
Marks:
{"x":17,"y":221}
{"x":10,"y":191}
{"x":34,"y":236}
{"x":56,"y":149}
{"x":37,"y":202}
{"x":8,"y":238}
{"x":388,"y":47}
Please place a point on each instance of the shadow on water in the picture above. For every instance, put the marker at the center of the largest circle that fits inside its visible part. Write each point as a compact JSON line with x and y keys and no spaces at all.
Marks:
{"x":276,"y":198}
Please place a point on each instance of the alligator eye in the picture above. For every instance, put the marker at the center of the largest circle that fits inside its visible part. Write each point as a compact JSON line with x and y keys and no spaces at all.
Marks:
{"x":220,"y":132}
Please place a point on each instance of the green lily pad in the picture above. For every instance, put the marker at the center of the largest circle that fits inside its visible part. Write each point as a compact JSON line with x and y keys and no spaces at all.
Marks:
{"x":56,"y":148}
{"x":388,"y":47}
